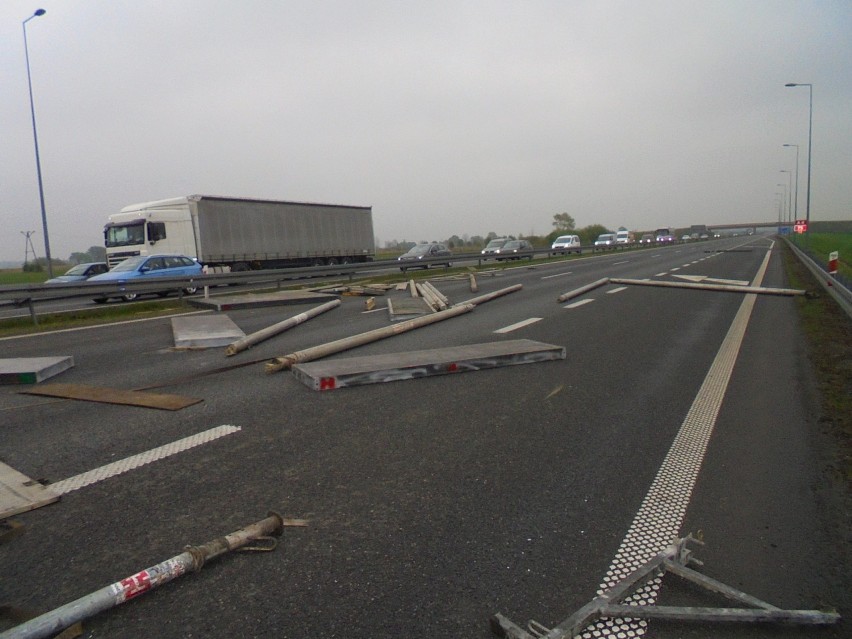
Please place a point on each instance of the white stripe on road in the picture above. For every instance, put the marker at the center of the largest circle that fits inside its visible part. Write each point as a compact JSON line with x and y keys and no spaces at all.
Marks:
{"x":624,"y":262}
{"x":661,"y":274}
{"x":547,"y":277}
{"x":129,"y":463}
{"x":580,"y":303}
{"x":514,"y":327}
{"x":616,"y":290}
{"x":662,"y":512}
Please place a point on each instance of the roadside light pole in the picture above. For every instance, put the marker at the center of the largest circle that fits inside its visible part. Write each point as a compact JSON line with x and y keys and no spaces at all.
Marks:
{"x":38,"y":12}
{"x":796,"y":195}
{"x":810,"y":131}
{"x":789,"y":191}
{"x":783,"y":196}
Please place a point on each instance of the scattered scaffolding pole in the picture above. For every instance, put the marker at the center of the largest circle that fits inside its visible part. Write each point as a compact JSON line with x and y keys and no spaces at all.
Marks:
{"x":701,"y":286}
{"x":191,"y":560}
{"x":329,"y":348}
{"x":270,"y":331}
{"x":583,"y":289}
{"x":673,"y":559}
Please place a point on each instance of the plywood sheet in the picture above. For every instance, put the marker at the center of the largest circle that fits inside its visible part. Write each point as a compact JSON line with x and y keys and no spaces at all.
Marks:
{"x":114,"y":396}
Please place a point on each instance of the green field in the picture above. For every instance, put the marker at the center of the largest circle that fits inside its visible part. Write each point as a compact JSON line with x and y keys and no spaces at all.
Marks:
{"x":820,"y":245}
{"x":17,"y":276}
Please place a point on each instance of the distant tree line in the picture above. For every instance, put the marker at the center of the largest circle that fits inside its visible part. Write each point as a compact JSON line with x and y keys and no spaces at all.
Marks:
{"x":94,"y":254}
{"x":563,"y":224}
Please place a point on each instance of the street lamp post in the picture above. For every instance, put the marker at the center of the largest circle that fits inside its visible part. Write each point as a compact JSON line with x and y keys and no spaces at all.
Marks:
{"x":796,"y":195}
{"x":789,"y":191}
{"x":783,"y":196}
{"x":810,"y":130}
{"x":38,"y":12}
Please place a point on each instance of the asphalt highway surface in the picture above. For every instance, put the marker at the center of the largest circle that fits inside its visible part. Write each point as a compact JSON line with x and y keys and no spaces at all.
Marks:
{"x":435,"y":503}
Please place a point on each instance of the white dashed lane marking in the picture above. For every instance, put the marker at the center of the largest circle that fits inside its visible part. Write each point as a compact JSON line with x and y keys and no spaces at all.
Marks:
{"x":580,"y":303}
{"x":616,"y":290}
{"x":516,"y":326}
{"x":129,"y":463}
{"x":547,"y":277}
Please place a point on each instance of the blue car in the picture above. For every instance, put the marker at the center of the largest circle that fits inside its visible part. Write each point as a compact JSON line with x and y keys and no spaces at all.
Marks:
{"x":149,"y":266}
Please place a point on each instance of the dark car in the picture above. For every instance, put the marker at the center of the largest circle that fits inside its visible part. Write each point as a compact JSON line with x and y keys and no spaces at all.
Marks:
{"x":415,"y":257}
{"x":514,"y":250}
{"x":493,"y":247}
{"x":80,"y":273}
{"x":147,"y":267}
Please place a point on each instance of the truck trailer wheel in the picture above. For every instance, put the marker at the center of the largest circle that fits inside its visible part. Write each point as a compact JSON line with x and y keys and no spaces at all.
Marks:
{"x":191,"y":290}
{"x":129,"y":297}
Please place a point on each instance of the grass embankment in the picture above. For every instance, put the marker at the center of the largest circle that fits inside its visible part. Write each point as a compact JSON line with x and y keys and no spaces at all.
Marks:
{"x":828,"y":331}
{"x":823,"y":244}
{"x":115,"y":312}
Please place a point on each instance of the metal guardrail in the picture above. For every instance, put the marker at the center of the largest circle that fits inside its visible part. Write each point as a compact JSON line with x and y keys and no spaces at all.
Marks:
{"x":834,"y":287}
{"x":28,"y":295}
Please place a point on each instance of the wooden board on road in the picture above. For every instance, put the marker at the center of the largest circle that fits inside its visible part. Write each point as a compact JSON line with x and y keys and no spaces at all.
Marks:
{"x":115,"y":396}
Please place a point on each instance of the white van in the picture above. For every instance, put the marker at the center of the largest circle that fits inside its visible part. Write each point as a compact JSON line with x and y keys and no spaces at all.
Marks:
{"x":565,"y":244}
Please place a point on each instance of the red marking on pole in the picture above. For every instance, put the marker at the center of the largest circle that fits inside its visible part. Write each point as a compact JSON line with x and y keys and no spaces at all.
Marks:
{"x":832,"y":262}
{"x":452,"y":368}
{"x":136,"y":585}
{"x":328,"y":383}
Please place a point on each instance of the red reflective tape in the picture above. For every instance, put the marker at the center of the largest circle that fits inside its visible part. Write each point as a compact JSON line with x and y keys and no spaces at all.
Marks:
{"x":328,"y":383}
{"x":136,"y":585}
{"x":452,"y":368}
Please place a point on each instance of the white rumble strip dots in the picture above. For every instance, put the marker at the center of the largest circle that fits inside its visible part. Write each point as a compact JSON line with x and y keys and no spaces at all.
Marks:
{"x":129,"y":463}
{"x":662,"y":511}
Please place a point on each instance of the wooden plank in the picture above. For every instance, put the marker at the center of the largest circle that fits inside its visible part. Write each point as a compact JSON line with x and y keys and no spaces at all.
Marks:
{"x":114,"y":396}
{"x":19,"y":493}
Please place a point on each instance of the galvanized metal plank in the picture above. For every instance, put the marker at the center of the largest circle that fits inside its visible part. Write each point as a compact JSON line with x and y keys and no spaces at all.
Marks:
{"x":404,"y":308}
{"x":205,"y":331}
{"x":19,"y":493}
{"x":114,"y":396}
{"x":32,"y":370}
{"x":357,"y":371}
{"x":259,"y":300}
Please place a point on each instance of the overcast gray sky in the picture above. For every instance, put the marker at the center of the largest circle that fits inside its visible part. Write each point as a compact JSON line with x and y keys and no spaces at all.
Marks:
{"x":458,"y":117}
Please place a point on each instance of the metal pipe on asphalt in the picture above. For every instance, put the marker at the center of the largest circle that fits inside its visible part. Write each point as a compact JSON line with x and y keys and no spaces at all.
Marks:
{"x":192,"y":560}
{"x":329,"y":348}
{"x":444,"y":301}
{"x":490,"y":296}
{"x":583,"y":289}
{"x":270,"y":331}
{"x":474,"y":287}
{"x":729,"y":288}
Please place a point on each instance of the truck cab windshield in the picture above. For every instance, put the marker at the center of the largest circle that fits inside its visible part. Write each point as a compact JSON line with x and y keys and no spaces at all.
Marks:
{"x":125,"y":235}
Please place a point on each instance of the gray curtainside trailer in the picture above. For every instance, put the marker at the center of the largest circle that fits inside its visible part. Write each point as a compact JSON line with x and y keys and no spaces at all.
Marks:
{"x":242,"y":233}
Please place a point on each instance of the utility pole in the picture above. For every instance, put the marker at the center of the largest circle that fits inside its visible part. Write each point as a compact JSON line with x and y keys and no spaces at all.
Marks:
{"x":28,"y":247}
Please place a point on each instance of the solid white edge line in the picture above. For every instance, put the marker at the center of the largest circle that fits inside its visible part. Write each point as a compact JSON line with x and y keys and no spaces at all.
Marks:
{"x":661,"y":514}
{"x":135,"y":461}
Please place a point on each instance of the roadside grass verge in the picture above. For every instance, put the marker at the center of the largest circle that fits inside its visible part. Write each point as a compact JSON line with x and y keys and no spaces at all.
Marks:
{"x":828,"y":331}
{"x":822,"y":244}
{"x":92,"y":317}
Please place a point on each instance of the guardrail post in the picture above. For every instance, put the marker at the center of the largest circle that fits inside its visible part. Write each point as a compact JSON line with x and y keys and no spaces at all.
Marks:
{"x":32,"y":310}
